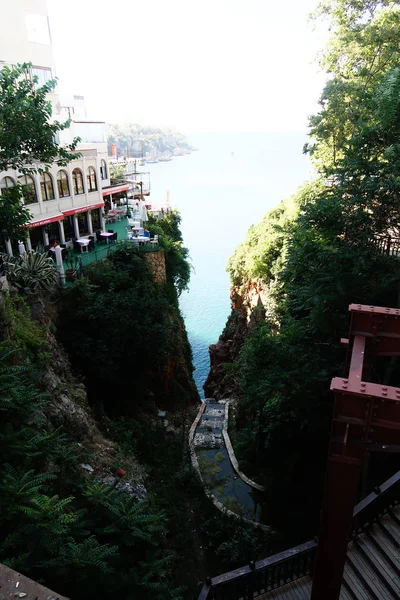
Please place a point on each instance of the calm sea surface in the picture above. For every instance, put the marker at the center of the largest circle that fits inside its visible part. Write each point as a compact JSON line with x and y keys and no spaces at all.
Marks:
{"x":222,"y":189}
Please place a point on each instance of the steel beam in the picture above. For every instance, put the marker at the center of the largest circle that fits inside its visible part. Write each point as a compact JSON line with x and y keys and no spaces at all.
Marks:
{"x":365,"y":416}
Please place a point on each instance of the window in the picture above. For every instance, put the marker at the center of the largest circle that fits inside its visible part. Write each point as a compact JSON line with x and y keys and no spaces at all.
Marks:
{"x":46,"y":187}
{"x":43,"y":75}
{"x":37,"y":27}
{"x":90,"y":132}
{"x":103,"y":169}
{"x":77,"y":180}
{"x":91,"y":180}
{"x":7,"y":183}
{"x":62,"y":184}
{"x":28,"y":189}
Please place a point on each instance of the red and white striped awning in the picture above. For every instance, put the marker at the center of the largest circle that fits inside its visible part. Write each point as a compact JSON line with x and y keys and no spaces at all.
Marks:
{"x":75,"y":211}
{"x":45,"y":221}
{"x":115,"y":189}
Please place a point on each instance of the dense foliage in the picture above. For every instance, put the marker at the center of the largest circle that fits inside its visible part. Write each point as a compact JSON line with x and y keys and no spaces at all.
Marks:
{"x":320,"y":251}
{"x":84,"y":538}
{"x":171,"y":241}
{"x":124,"y":332}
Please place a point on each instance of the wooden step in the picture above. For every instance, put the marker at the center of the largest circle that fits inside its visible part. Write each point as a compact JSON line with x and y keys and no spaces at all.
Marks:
{"x":380,"y":561}
{"x":369,"y":573}
{"x":358,"y":590}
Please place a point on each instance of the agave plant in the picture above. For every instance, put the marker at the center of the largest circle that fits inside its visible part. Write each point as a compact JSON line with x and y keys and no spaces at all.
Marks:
{"x":34,"y":271}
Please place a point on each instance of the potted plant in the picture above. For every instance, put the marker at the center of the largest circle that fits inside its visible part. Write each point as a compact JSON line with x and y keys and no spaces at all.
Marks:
{"x":71,"y":273}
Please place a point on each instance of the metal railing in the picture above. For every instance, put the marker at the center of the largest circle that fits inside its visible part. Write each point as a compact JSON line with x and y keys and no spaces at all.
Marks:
{"x":266,"y":575}
{"x":387,"y":245}
{"x":85,"y":259}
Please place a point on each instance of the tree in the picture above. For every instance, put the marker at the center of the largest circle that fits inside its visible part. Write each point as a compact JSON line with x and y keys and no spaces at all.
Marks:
{"x":27,"y":139}
{"x":317,"y":259}
{"x":364,"y":45}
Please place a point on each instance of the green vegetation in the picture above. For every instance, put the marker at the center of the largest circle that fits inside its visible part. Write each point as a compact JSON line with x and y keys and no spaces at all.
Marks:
{"x":79,"y":535}
{"x":33,"y":272}
{"x":124,"y":332}
{"x":135,"y":140}
{"x":171,"y":241}
{"x":59,"y":523}
{"x":317,"y":252}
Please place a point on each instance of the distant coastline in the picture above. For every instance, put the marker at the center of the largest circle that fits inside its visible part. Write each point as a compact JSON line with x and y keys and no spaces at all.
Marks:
{"x":147,"y":144}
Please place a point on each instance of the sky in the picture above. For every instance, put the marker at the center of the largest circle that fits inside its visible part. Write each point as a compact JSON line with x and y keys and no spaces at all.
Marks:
{"x":209,"y":66}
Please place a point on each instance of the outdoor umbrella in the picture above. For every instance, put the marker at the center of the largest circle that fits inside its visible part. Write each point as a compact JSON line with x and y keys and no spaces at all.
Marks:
{"x":142,"y":211}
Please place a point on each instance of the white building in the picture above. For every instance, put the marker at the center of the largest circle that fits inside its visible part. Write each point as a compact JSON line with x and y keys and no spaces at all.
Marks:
{"x":65,"y":203}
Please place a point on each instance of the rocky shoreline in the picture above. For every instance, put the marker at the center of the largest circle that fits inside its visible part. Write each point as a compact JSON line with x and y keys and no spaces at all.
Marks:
{"x":249,"y":303}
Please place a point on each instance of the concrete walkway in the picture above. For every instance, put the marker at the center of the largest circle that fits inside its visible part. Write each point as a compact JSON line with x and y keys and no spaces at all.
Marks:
{"x":210,"y":456}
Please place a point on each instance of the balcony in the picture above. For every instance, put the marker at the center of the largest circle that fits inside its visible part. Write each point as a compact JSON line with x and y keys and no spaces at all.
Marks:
{"x":102,"y":251}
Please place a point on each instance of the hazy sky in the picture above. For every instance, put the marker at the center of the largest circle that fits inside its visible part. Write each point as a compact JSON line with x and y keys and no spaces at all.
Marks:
{"x":209,"y":65}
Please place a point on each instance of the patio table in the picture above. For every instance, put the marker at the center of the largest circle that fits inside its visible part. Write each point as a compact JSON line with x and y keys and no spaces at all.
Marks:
{"x":140,"y":239}
{"x":84,"y":243}
{"x":106,"y":235}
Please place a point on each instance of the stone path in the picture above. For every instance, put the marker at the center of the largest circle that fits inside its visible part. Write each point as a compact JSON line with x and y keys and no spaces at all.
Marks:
{"x":209,"y":430}
{"x":211,"y":458}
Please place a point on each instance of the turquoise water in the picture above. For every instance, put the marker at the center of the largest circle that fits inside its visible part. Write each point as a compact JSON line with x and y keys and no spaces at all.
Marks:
{"x":222,"y":189}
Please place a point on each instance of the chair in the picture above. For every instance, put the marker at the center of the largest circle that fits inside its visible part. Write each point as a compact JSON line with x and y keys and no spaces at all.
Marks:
{"x":99,"y":238}
{"x":111,"y":231}
{"x":113,"y":237}
{"x":154,"y":240}
{"x":77,"y":246}
{"x":64,"y":253}
{"x":91,"y":244}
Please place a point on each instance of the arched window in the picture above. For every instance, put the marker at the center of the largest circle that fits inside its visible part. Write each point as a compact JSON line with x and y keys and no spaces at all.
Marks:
{"x":77,"y":179}
{"x":63,"y":184}
{"x":91,"y":180}
{"x":46,"y":187}
{"x":28,"y":189}
{"x":6,"y":183}
{"x":103,"y":169}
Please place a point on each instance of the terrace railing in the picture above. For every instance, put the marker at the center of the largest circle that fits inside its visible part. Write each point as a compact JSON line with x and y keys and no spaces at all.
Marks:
{"x":266,"y":575}
{"x":101,"y":252}
{"x":387,"y":245}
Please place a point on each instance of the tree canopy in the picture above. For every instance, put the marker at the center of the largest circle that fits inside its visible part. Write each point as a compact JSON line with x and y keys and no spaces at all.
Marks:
{"x":363,"y":47}
{"x":27,"y":139}
{"x":321,"y":250}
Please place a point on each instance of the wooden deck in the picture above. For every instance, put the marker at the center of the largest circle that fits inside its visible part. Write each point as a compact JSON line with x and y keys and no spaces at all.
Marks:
{"x":372,"y":570}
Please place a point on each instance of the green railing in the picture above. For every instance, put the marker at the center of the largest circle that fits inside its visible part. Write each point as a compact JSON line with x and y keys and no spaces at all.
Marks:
{"x":102,"y":251}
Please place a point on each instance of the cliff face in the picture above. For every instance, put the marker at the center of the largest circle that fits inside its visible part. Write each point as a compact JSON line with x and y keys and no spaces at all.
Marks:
{"x":249,"y":303}
{"x":68,"y":408}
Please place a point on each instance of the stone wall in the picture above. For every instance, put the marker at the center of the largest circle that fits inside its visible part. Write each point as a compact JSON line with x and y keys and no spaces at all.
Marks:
{"x":156,"y":261}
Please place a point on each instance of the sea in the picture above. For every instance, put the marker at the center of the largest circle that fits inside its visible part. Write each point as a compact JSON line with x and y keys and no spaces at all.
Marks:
{"x":221,"y":190}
